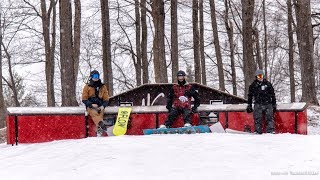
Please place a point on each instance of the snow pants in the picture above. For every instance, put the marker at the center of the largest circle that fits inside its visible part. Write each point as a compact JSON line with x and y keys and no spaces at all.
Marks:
{"x":258,"y":112}
{"x":174,"y":113}
{"x":95,"y":115}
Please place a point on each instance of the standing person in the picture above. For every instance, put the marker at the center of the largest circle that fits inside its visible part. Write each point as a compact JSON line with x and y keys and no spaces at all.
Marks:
{"x":95,"y":96}
{"x":179,"y":101}
{"x":264,"y":102}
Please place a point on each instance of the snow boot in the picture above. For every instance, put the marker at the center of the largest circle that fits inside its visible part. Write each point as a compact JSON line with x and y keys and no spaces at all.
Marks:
{"x":162,"y":126}
{"x":187,"y":125}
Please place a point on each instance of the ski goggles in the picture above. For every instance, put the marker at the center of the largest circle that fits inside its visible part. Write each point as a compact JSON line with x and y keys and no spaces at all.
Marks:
{"x":259,"y":76}
{"x":95,"y":76}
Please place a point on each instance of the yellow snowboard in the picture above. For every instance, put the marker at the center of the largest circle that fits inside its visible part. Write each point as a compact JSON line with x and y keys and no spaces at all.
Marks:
{"x":120,"y":127}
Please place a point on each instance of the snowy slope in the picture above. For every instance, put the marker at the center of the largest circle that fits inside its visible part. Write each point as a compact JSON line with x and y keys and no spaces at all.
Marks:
{"x":198,"y":156}
{"x":188,"y":157}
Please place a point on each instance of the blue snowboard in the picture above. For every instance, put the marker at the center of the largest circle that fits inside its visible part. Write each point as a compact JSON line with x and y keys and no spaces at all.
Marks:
{"x":181,"y":130}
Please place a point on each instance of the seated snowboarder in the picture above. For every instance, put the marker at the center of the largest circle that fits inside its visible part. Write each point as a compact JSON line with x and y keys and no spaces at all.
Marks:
{"x":95,"y":96}
{"x":179,"y":101}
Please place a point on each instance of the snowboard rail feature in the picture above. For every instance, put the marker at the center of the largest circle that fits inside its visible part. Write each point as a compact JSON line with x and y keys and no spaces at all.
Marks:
{"x":43,"y":124}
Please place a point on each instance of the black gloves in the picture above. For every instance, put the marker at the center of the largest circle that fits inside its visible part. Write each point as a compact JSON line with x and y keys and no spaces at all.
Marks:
{"x":249,"y":108}
{"x":169,"y":108}
{"x":193,"y":110}
{"x":274,"y":108}
{"x":87,"y":103}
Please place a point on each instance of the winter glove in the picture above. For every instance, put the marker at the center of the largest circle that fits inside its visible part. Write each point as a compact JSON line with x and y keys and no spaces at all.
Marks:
{"x":87,"y":103}
{"x":169,"y":108}
{"x":249,"y":108}
{"x":274,"y":108}
{"x":193,"y":110}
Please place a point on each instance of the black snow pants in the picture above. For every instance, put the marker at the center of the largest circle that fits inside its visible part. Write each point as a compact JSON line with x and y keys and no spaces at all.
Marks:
{"x":259,"y":110}
{"x":174,"y":113}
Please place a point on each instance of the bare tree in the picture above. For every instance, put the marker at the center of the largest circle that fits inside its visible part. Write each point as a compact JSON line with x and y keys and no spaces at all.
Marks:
{"x":159,"y":60}
{"x":247,"y":32}
{"x":265,"y":46}
{"x":66,"y":58}
{"x":306,"y":50}
{"x":3,"y":108}
{"x":77,"y":37}
{"x":144,"y":43}
{"x":217,"y":45}
{"x":257,"y":48}
{"x":196,"y":42}
{"x":49,"y":46}
{"x":138,"y":45}
{"x":174,"y":39}
{"x":48,"y":18}
{"x":291,"y":52}
{"x":202,"y":57}
{"x":106,"y":46}
{"x":229,"y":28}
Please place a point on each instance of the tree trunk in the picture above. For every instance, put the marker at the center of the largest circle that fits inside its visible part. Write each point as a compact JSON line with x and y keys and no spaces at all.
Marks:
{"x":3,"y":108}
{"x":196,"y":42}
{"x":202,"y":57}
{"x":305,"y":44}
{"x":49,"y":46}
{"x":174,"y":39}
{"x":291,"y":51}
{"x":106,"y":46}
{"x":160,"y":67}
{"x":66,"y":55}
{"x":265,"y":48}
{"x":230,"y":33}
{"x":144,"y":43}
{"x":217,"y":45}
{"x":77,"y":37}
{"x":138,"y":45}
{"x":247,"y":32}
{"x":258,"y":53}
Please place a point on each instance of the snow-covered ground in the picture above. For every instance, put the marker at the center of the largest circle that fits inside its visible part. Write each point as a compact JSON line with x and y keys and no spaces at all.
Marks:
{"x":189,"y":157}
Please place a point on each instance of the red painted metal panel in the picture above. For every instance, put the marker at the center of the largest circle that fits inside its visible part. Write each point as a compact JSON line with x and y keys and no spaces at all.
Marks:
{"x":10,"y":130}
{"x":138,"y":122}
{"x":284,"y":122}
{"x":302,"y":122}
{"x":42,"y":128}
{"x":240,"y":121}
{"x":222,"y":119}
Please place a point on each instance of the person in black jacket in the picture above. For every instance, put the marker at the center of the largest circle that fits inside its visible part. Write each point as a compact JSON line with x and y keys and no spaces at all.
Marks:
{"x":262,"y":92}
{"x":179,"y":101}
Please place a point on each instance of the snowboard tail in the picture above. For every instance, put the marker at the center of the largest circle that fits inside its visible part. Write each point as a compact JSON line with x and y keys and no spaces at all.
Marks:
{"x":121,"y":125}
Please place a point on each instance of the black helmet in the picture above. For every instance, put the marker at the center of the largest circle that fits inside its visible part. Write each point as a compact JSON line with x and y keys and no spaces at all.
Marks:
{"x":181,"y":73}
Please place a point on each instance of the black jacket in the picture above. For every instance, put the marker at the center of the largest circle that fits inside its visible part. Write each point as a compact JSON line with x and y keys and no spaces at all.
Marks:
{"x":262,"y":92}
